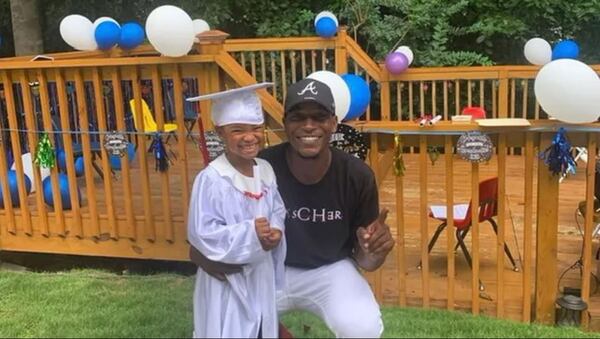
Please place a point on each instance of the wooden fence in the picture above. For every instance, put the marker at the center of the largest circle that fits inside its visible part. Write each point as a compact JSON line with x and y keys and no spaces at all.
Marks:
{"x":138,"y":212}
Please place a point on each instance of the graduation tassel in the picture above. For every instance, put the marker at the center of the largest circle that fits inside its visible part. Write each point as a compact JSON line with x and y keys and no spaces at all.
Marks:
{"x":44,"y":153}
{"x":558,"y":156}
{"x":160,"y":153}
{"x":398,"y":161}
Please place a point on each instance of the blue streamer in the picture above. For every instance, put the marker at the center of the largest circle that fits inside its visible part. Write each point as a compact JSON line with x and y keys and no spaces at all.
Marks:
{"x":160,"y":153}
{"x":558,"y":156}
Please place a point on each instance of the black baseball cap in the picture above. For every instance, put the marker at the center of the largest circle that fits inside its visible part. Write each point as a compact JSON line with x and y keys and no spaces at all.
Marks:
{"x":307,"y":90}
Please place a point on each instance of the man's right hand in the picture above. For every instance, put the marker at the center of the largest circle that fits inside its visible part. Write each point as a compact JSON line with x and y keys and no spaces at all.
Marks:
{"x":215,"y":269}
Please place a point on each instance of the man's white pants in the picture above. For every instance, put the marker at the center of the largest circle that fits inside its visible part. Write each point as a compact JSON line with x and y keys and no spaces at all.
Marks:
{"x":336,"y":293}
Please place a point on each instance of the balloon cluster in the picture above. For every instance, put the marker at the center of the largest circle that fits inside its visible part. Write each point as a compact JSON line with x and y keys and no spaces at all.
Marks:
{"x":399,"y":60}
{"x":567,"y":89}
{"x":351,"y":93}
{"x":104,"y":33}
{"x":169,"y":29}
{"x":326,"y":24}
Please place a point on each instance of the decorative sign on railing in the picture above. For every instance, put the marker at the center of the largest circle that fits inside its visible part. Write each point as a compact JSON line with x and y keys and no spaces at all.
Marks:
{"x":116,"y":143}
{"x":475,"y":146}
{"x":349,"y":140}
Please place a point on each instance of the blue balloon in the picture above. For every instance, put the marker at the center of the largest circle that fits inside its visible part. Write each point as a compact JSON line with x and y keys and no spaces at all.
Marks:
{"x":115,"y":160}
{"x":132,"y":35}
{"x":13,"y":188}
{"x":107,"y":35}
{"x":326,"y":27}
{"x":65,"y":195}
{"x":79,"y":169}
{"x":360,"y":95}
{"x":566,"y":49}
{"x":61,"y":160}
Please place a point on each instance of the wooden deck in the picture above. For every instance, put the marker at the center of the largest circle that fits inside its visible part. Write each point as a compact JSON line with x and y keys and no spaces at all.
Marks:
{"x":572,"y":190}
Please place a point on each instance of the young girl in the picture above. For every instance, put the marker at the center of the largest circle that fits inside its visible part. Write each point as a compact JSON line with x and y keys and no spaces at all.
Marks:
{"x":236,"y":216}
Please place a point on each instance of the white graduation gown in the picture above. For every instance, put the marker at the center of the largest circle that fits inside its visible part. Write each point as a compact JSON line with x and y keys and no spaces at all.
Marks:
{"x":221,"y":226}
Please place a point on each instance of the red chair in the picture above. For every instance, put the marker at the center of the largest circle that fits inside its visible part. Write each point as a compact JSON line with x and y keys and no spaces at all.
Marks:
{"x":488,"y":209}
{"x":475,"y":112}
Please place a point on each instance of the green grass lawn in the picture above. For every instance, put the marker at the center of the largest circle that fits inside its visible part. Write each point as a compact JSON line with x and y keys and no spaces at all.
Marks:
{"x":98,"y":304}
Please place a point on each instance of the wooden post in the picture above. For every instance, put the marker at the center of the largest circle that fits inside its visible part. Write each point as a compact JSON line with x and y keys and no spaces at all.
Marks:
{"x":210,"y":43}
{"x":503,"y":94}
{"x":341,"y":54}
{"x":385,"y":94}
{"x":547,"y":240}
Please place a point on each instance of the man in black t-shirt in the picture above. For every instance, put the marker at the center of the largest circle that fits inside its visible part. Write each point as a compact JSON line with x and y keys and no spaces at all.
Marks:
{"x":333,"y":223}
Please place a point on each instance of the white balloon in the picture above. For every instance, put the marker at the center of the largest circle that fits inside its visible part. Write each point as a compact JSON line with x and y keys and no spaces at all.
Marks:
{"x":538,"y":51}
{"x":78,"y":32}
{"x":339,"y":89}
{"x":326,"y":14}
{"x":199,"y":27}
{"x":407,"y":52}
{"x":170,"y":30}
{"x":569,"y":91}
{"x":102,"y":19}
{"x":28,"y":169}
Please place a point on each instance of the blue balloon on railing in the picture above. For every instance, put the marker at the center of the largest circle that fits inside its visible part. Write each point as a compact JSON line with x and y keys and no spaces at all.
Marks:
{"x":326,"y":27}
{"x":566,"y":49}
{"x":107,"y":35}
{"x":360,"y":95}
{"x":132,"y":35}
{"x":13,"y":188}
{"x":65,"y":194}
{"x":79,"y":169}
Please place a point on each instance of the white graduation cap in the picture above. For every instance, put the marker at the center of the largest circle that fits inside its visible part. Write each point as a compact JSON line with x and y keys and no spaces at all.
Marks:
{"x":236,"y":106}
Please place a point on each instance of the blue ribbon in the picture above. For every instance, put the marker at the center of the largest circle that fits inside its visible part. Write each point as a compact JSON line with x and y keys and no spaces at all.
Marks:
{"x":160,"y":154}
{"x":558,"y":156}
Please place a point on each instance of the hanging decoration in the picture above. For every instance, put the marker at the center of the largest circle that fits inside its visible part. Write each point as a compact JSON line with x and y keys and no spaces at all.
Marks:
{"x":202,"y":143}
{"x":266,"y":135}
{"x":160,"y":153}
{"x":44,"y":153}
{"x":116,"y":143}
{"x":558,"y":156}
{"x":398,"y":161}
{"x":214,"y":145}
{"x":349,"y":140}
{"x":434,"y":154}
{"x":475,"y":146}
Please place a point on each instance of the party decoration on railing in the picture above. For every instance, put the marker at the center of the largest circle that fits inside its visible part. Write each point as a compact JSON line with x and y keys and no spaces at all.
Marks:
{"x":65,"y":194}
{"x":115,"y":143}
{"x":170,"y":30}
{"x":27,"y":162}
{"x":13,"y":188}
{"x":434,"y":153}
{"x":200,"y":26}
{"x":558,"y":156}
{"x":396,"y":63}
{"x":408,"y":53}
{"x":360,"y":95}
{"x":107,"y":34}
{"x":102,"y":19}
{"x":78,"y":32}
{"x":475,"y":146}
{"x":339,"y":89}
{"x":349,"y":140}
{"x":326,"y":24}
{"x":132,"y":35}
{"x":160,"y":153}
{"x":266,"y":137}
{"x":538,"y":51}
{"x":399,"y":167}
{"x":44,"y":153}
{"x":568,"y":90}
{"x":214,"y":145}
{"x":566,"y":49}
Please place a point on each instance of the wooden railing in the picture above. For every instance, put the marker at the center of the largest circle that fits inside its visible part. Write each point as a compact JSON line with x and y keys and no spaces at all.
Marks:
{"x":138,"y":212}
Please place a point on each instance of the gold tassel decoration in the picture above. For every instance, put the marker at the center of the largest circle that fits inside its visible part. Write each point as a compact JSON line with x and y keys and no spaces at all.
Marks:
{"x":266,"y":135}
{"x":398,"y":161}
